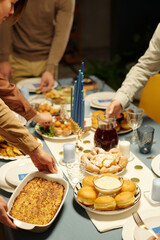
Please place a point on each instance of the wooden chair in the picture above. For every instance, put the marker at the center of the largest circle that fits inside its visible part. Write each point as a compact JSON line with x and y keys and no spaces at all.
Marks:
{"x":150,"y":99}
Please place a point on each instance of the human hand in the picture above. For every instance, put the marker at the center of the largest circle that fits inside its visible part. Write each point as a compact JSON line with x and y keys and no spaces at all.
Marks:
{"x":47,"y":82}
{"x":6,"y":70}
{"x":4,"y":219}
{"x":44,"y":119}
{"x":153,"y":238}
{"x":43,"y":161}
{"x":114,"y":109}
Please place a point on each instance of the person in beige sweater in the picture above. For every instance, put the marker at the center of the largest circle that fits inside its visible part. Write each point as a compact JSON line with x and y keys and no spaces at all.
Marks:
{"x":38,"y":41}
{"x":10,"y":127}
{"x":148,"y":65}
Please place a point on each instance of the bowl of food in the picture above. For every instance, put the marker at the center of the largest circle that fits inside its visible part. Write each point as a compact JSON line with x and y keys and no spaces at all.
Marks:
{"x":62,"y":128}
{"x":108,"y":184}
{"x":37,"y":200}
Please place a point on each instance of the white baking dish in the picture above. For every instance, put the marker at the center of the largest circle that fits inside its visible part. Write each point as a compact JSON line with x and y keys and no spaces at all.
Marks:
{"x":29,"y":226}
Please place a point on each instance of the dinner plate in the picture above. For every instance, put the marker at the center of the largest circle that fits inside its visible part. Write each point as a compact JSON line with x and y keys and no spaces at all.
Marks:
{"x":131,"y":231}
{"x":8,"y":187}
{"x":114,"y":212}
{"x":40,"y":99}
{"x":96,"y":174}
{"x":100,"y":100}
{"x":18,"y":157}
{"x":72,"y":136}
{"x":155,"y":164}
{"x":18,"y":171}
{"x":32,"y":84}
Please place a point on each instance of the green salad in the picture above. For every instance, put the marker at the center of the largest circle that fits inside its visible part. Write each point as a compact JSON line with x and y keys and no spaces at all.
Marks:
{"x":47,"y":131}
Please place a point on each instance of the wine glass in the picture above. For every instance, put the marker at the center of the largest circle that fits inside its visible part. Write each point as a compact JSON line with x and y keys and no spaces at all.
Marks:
{"x":134,"y":119}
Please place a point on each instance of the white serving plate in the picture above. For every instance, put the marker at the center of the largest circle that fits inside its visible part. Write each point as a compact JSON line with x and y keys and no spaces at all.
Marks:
{"x":72,"y":136}
{"x":130,"y":230}
{"x":7,"y":186}
{"x":32,"y":84}
{"x":114,"y":212}
{"x":100,"y":100}
{"x":20,"y":156}
{"x":29,"y":226}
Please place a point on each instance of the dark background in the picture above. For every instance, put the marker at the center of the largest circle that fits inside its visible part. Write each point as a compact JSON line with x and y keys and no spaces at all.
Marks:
{"x":110,"y":36}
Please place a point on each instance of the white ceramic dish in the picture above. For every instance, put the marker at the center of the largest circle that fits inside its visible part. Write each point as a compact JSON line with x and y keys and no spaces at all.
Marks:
{"x":8,"y":187}
{"x":155,"y":164}
{"x":19,"y":157}
{"x":72,"y":136}
{"x":132,"y":232}
{"x":33,"y":227}
{"x":100,"y":100}
{"x":32,"y":84}
{"x":115,"y":212}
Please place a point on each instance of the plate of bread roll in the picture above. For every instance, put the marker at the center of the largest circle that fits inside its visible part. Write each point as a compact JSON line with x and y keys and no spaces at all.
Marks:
{"x":121,"y":127}
{"x":119,"y":197}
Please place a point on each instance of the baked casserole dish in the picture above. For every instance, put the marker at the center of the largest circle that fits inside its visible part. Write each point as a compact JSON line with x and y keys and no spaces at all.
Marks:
{"x":36,"y":201}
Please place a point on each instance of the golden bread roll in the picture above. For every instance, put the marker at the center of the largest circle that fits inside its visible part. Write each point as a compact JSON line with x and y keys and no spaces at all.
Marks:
{"x":105,"y":203}
{"x":124,"y":124}
{"x":110,"y":175}
{"x":87,"y":195}
{"x":125,"y":112}
{"x":125,"y":199}
{"x":117,"y":127}
{"x":88,"y":181}
{"x":128,"y":186}
{"x":94,"y":118}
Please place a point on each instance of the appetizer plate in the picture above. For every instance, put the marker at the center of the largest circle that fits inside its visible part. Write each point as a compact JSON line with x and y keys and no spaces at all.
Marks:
{"x":35,"y":227}
{"x":72,"y":136}
{"x":155,"y":164}
{"x":20,"y":156}
{"x":132,"y":232}
{"x":114,"y":212}
{"x":6,"y":185}
{"x":100,"y":100}
{"x":96,"y":174}
{"x":32,"y":84}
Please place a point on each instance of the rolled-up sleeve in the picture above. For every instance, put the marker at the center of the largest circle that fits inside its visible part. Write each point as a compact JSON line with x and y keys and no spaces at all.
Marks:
{"x":147,"y":66}
{"x":13,"y":132}
{"x":10,"y":94}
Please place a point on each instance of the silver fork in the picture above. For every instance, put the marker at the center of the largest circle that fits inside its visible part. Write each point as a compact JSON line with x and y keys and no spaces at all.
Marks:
{"x":141,"y":224}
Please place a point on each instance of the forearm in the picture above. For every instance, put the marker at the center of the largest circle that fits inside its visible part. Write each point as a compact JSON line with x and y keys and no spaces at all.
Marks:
{"x":13,"y":132}
{"x":14,"y":100}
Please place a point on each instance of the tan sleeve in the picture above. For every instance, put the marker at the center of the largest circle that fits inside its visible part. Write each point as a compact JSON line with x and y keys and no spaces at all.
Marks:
{"x":15,"y":100}
{"x":5,"y":41}
{"x":64,"y":20}
{"x":148,"y":65}
{"x":13,"y":132}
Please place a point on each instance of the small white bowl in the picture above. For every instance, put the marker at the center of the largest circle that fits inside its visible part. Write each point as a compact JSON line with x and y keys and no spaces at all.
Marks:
{"x":29,"y":226}
{"x":108,"y":185}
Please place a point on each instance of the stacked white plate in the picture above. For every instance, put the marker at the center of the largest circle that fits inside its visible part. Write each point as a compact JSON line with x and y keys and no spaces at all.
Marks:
{"x":100,"y":100}
{"x":12,"y":173}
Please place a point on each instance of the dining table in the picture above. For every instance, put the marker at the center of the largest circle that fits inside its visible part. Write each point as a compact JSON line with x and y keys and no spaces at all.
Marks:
{"x":73,"y":221}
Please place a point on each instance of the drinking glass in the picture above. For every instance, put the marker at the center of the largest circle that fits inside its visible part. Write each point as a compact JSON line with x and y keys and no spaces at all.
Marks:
{"x":134,"y":119}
